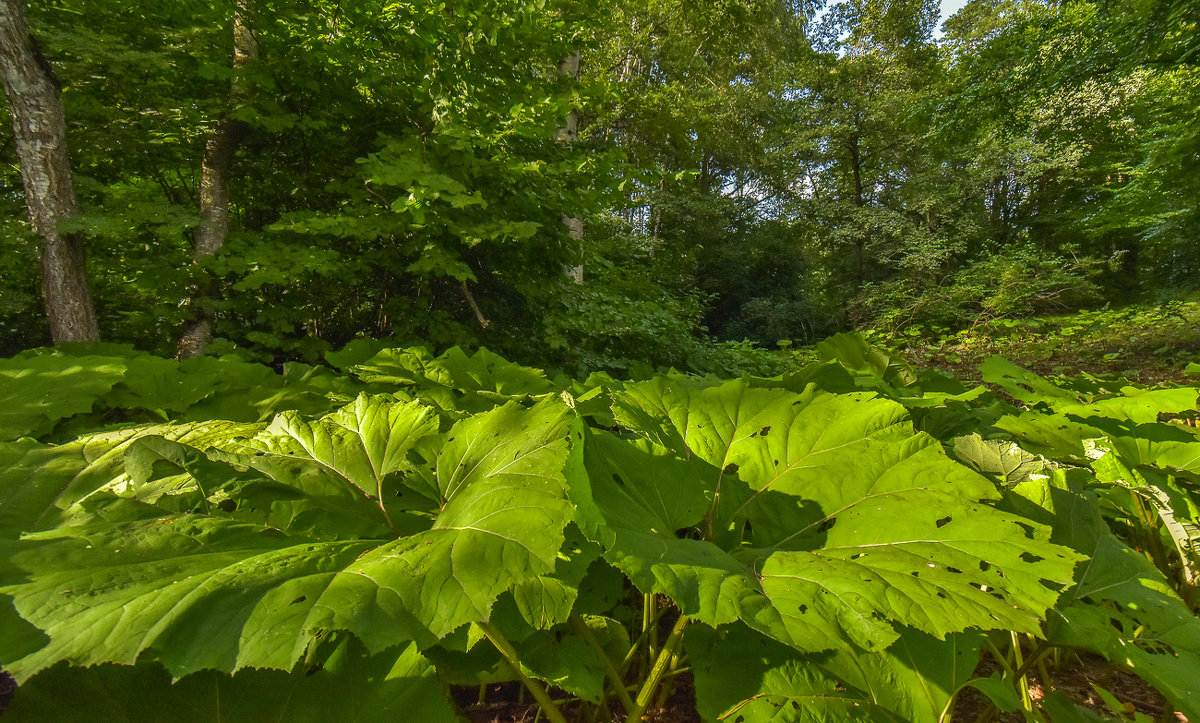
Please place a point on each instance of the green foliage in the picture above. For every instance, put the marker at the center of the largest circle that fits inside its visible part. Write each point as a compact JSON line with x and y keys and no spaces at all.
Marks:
{"x":467,"y":519}
{"x":1006,"y":284}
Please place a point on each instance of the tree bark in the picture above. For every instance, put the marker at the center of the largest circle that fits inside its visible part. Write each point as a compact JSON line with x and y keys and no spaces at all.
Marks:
{"x":859,"y":201}
{"x":566,"y":134}
{"x":215,"y":171}
{"x":39,"y":128}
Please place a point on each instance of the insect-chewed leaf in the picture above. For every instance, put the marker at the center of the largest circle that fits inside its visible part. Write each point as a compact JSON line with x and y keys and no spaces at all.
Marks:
{"x":226,"y":591}
{"x":828,"y":520}
{"x":1122,"y":607}
{"x":743,"y":675}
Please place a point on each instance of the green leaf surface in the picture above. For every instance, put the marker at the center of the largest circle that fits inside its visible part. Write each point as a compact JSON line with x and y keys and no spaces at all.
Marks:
{"x":1003,"y":460}
{"x":215,"y":592}
{"x":828,"y":520}
{"x":392,"y":685}
{"x":743,"y":676}
{"x":1121,"y":606}
{"x":37,"y":391}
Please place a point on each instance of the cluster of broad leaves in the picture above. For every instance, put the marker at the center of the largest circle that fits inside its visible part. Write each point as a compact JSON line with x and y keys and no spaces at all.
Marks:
{"x":319,"y":544}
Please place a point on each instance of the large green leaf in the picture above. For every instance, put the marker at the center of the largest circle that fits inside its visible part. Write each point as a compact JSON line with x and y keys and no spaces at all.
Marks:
{"x":218,"y":591}
{"x":354,"y":687}
{"x":1121,"y":606}
{"x":1003,"y":460}
{"x":37,"y":391}
{"x":745,"y":677}
{"x":827,"y":519}
{"x":362,"y":443}
{"x":41,"y":486}
{"x":742,"y":675}
{"x":454,"y":380}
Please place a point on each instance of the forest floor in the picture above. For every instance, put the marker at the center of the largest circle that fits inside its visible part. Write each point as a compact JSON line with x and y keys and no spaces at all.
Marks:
{"x":1145,"y":344}
{"x":1078,"y":682}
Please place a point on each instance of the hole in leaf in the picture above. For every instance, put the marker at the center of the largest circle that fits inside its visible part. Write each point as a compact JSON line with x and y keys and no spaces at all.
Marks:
{"x":984,"y":565}
{"x":943,"y":522}
{"x":730,"y":468}
{"x":1027,"y":529}
{"x":1117,"y":624}
{"x":227,"y":505}
{"x":1030,"y":557}
{"x":914,"y":573}
{"x":776,"y":463}
{"x":954,"y":570}
{"x":941,"y":594}
{"x":839,"y":688}
{"x":763,"y":432}
{"x":618,"y":480}
{"x":857,"y":555}
{"x":300,"y":599}
{"x":803,"y":609}
{"x":827,"y":524}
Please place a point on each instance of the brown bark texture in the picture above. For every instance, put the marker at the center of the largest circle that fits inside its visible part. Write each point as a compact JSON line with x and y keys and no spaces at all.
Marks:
{"x":215,"y":171}
{"x":39,"y":129}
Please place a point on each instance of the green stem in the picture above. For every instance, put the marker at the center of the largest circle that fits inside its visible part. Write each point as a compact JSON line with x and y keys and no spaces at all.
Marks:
{"x":1022,"y":681}
{"x":660,"y":666}
{"x":650,"y":626}
{"x":582,"y":630}
{"x":1001,"y":658}
{"x":510,"y":655}
{"x":664,"y":692}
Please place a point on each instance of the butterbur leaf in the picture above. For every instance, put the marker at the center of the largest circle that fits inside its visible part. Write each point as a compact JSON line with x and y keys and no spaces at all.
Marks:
{"x":37,"y":391}
{"x":547,"y":600}
{"x":855,"y":353}
{"x":828,"y":522}
{"x":42,"y":486}
{"x":509,"y":442}
{"x":1023,"y":385}
{"x":1003,"y":460}
{"x":1121,"y":606}
{"x":455,"y":380}
{"x":222,"y":592}
{"x":743,"y":676}
{"x":363,"y":442}
{"x":396,"y":684}
{"x":914,"y":678}
{"x":187,"y":586}
{"x":746,"y":676}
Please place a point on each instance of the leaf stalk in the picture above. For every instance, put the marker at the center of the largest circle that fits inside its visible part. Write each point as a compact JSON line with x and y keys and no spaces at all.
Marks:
{"x":545,"y":702}
{"x":660,"y":666}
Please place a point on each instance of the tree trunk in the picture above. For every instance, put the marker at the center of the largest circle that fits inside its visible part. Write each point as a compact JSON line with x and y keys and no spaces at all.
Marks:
{"x":39,"y":129}
{"x":566,"y":134}
{"x":859,"y":201}
{"x":215,"y":171}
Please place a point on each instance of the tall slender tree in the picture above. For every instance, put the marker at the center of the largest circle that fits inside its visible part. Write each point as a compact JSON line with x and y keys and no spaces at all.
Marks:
{"x":39,"y":129}
{"x":215,"y":172}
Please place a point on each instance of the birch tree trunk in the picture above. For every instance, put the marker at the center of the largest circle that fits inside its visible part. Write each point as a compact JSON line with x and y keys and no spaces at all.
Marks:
{"x":215,"y":170}
{"x":39,"y":129}
{"x":566,"y":134}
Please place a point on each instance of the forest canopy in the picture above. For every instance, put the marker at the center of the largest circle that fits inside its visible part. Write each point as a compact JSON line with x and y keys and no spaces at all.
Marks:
{"x":762,"y":170}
